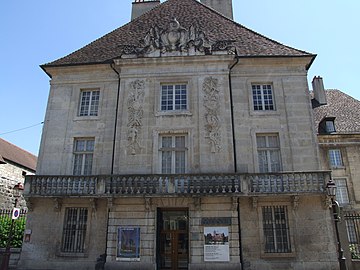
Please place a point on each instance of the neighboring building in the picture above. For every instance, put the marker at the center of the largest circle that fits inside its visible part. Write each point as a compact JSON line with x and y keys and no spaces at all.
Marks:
{"x":337,"y":120}
{"x":15,"y":164}
{"x":181,"y":140}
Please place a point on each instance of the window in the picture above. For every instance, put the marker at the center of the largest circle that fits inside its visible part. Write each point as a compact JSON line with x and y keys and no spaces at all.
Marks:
{"x":268,"y":153}
{"x":342,"y":195}
{"x":89,"y":103}
{"x":83,"y":156}
{"x":74,"y":230}
{"x":173,"y":97}
{"x":329,"y":125}
{"x":173,"y":154}
{"x":263,"y":97}
{"x":276,"y":229}
{"x":335,"y":158}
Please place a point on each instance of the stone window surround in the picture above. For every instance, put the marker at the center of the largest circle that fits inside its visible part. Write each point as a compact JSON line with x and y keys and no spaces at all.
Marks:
{"x":172,"y":81}
{"x":76,"y":96}
{"x":254,"y":132}
{"x":276,"y":86}
{"x":61,"y":216}
{"x":290,"y":224}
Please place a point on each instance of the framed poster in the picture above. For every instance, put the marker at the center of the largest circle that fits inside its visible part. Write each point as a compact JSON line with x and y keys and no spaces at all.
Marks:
{"x":128,"y":244}
{"x":216,"y":248}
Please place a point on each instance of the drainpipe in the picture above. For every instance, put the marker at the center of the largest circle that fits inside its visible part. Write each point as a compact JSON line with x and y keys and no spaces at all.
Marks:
{"x":235,"y":159}
{"x":113,"y":156}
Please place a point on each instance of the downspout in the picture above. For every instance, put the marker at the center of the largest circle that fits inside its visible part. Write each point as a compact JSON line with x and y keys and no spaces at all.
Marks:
{"x":235,"y":159}
{"x":112,"y":157}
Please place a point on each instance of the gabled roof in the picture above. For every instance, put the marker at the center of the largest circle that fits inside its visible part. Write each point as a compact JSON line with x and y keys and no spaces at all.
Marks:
{"x":344,"y":108}
{"x":188,"y":12}
{"x":14,"y":154}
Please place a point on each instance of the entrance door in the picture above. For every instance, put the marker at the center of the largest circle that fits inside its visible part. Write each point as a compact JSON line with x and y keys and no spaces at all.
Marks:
{"x":173,"y":239}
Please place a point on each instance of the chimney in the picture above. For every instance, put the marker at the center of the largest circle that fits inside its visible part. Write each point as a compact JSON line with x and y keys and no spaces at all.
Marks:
{"x":222,"y":6}
{"x":319,"y":90}
{"x":139,"y":7}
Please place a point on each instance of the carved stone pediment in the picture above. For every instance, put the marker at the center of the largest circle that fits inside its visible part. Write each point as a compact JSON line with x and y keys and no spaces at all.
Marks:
{"x":175,"y":40}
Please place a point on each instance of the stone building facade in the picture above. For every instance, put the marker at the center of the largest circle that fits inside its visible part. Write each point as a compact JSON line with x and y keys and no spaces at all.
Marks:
{"x":181,"y":140}
{"x":15,"y":164}
{"x":337,"y":124}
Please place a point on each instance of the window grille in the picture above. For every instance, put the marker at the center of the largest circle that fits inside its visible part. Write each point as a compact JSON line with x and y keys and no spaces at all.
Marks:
{"x":352,"y":221}
{"x":276,"y":229}
{"x":74,"y":231}
{"x":263,"y":99}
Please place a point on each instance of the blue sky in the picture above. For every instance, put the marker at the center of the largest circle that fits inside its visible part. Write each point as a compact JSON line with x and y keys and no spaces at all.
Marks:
{"x":40,"y":31}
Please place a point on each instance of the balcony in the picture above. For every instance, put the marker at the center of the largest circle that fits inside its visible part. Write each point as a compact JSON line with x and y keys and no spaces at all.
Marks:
{"x":175,"y":185}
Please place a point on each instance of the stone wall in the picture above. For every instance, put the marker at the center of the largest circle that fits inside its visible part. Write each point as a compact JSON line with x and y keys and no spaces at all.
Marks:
{"x":11,"y":174}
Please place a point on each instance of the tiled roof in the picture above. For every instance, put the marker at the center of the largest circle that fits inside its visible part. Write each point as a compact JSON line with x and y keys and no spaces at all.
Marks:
{"x":17,"y":155}
{"x":188,"y":12}
{"x":343,"y":107}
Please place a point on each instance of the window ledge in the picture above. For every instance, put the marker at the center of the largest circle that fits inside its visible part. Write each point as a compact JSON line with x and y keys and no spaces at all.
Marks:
{"x":86,"y":118}
{"x":338,"y":168}
{"x":278,"y":255}
{"x":72,"y":255}
{"x":264,"y":112}
{"x":173,"y":113}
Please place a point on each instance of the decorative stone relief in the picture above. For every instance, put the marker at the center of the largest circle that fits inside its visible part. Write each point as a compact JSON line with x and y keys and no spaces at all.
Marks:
{"x":326,"y":202}
{"x":176,"y":38}
{"x":197,"y":203}
{"x":110,"y":203}
{"x":212,"y":107}
{"x":148,"y":204}
{"x":93,"y":204}
{"x":254,"y":202}
{"x":29,"y":204}
{"x":57,"y":204}
{"x":295,"y":201}
{"x":135,"y":102}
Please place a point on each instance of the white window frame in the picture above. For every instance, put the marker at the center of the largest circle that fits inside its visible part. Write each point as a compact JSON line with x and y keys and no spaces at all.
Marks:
{"x":92,"y":108}
{"x":173,"y":150}
{"x":263,"y":87}
{"x":173,"y":97}
{"x":342,"y":193}
{"x":83,"y":158}
{"x":269,"y":151}
{"x":335,"y":158}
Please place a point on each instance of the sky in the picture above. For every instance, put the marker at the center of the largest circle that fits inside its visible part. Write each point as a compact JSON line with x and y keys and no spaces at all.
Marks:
{"x":41,"y":31}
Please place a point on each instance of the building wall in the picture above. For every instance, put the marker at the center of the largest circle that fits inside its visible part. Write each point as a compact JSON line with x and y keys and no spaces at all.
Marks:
{"x":11,"y":174}
{"x":290,"y":120}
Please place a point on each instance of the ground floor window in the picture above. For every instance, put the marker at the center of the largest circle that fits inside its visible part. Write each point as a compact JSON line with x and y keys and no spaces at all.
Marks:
{"x":74,"y":230}
{"x":276,"y":229}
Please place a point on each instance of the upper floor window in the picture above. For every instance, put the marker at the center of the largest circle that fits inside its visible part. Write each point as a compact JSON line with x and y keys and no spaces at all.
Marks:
{"x":263,"y":99}
{"x":330,"y":127}
{"x":342,"y":195}
{"x":83,"y":156}
{"x":335,"y":158}
{"x":268,"y":149}
{"x":173,"y":154}
{"x":276,"y":229}
{"x":74,"y":230}
{"x":89,"y":103}
{"x":174,"y":97}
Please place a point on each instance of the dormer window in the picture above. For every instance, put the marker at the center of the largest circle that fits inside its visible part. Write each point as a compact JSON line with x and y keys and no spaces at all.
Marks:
{"x":327,"y":125}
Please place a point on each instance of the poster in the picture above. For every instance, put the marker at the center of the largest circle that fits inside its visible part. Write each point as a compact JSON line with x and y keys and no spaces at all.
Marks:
{"x":128,"y":248}
{"x":216,"y":248}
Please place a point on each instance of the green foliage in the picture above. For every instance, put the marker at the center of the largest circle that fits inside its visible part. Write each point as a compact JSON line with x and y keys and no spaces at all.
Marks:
{"x":18,"y":231}
{"x":354,"y":252}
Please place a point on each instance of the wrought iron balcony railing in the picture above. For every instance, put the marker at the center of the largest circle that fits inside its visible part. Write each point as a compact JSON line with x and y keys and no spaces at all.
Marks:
{"x":187,"y":184}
